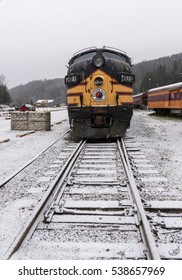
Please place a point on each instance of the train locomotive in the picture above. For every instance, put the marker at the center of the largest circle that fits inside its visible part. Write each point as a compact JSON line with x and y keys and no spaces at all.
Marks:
{"x":99,"y":92}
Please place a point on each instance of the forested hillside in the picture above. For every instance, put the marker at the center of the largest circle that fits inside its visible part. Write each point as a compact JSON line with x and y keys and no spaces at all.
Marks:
{"x":154,"y":73}
{"x":149,"y":74}
{"x":4,"y":95}
{"x":40,"y":89}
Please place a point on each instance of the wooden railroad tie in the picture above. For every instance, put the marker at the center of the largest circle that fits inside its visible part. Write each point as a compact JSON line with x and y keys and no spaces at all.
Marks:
{"x":25,"y":133}
{"x":4,"y":140}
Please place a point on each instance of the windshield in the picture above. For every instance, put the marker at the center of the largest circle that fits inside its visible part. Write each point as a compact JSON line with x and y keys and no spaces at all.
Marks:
{"x":113,"y":55}
{"x":85,"y":56}
{"x":91,"y":54}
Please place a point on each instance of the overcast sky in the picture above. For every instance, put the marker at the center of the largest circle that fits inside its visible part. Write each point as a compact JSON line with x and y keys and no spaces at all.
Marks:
{"x":38,"y":37}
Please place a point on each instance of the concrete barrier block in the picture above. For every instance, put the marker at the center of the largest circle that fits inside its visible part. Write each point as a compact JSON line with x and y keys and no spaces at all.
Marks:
{"x":19,"y":125}
{"x":31,"y":121}
{"x":39,"y":117}
{"x":19,"y":116}
{"x":39,"y":126}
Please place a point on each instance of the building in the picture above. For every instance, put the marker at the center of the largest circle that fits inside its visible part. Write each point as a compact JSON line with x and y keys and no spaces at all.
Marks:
{"x":45,"y":103}
{"x":27,"y":107}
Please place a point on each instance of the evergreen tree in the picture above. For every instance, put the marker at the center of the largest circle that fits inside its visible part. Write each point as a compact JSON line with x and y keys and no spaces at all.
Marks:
{"x":158,"y":72}
{"x":4,"y":93}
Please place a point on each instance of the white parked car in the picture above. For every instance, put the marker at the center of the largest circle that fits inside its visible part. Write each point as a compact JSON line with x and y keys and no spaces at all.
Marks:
{"x":6,"y":108}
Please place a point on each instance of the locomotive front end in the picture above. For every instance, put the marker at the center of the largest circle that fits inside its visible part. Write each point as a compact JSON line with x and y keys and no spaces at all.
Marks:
{"x":99,"y":93}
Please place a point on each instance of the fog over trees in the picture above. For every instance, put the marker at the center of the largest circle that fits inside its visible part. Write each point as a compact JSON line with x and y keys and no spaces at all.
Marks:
{"x":149,"y":74}
{"x":159,"y":72}
{"x":39,"y":89}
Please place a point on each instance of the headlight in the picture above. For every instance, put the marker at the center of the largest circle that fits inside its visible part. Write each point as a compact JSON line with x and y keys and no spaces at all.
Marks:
{"x":98,"y":60}
{"x":98,"y":81}
{"x":99,"y":94}
{"x":127,"y":78}
{"x":71,"y":80}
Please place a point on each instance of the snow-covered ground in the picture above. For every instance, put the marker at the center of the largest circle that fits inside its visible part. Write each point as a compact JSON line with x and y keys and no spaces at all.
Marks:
{"x":19,"y":150}
{"x":161,"y":137}
{"x":158,"y":137}
{"x":21,"y":195}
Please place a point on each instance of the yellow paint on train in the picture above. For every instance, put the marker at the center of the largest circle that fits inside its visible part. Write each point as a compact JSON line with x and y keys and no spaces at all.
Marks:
{"x":171,"y":104}
{"x":110,"y":86}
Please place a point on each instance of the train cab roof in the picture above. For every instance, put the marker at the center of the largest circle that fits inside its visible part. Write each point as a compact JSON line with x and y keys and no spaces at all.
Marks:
{"x":107,"y":52}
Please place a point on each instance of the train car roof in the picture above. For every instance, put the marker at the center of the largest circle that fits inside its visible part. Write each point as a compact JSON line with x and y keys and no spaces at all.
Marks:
{"x":139,"y":94}
{"x":170,"y":87}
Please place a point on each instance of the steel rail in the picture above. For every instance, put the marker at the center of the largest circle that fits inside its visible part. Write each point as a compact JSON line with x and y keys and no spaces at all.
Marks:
{"x":152,"y":250}
{"x":31,"y":224}
{"x":61,"y":185}
{"x":5,"y":181}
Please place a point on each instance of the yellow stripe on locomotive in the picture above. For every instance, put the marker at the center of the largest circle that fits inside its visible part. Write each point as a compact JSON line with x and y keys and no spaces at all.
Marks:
{"x":114,"y":93}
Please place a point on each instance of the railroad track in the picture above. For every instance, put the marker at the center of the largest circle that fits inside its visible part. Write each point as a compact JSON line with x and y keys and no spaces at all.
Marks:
{"x":93,"y":210}
{"x":11,"y":176}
